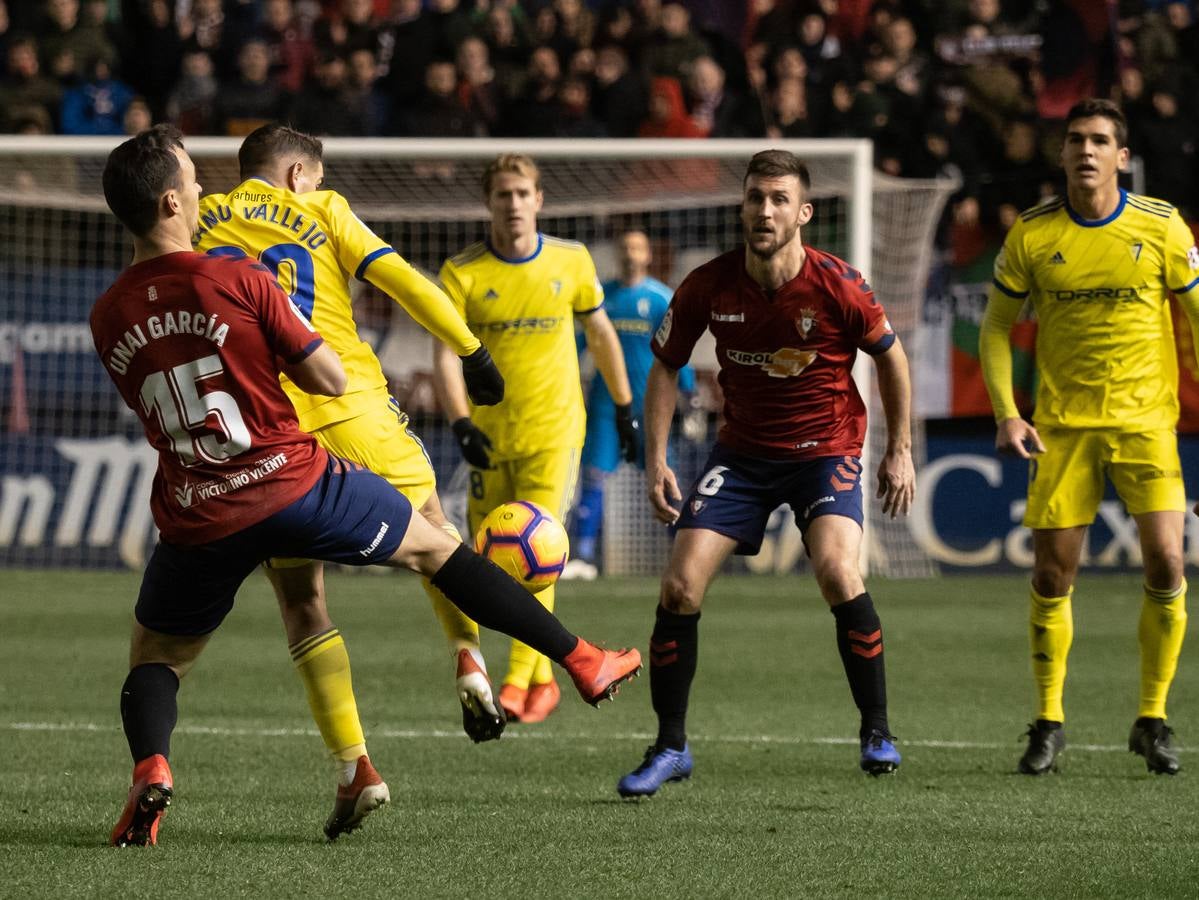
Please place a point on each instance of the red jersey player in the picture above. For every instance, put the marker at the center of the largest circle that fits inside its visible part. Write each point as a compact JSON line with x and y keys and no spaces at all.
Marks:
{"x":195,"y":345}
{"x":788,"y":322}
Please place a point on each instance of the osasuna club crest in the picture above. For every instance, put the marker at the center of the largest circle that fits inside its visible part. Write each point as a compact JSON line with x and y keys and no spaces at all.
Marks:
{"x":806,"y":321}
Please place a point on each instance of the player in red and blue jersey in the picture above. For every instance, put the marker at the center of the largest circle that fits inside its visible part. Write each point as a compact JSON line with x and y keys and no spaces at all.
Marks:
{"x":789,"y":321}
{"x":195,"y":345}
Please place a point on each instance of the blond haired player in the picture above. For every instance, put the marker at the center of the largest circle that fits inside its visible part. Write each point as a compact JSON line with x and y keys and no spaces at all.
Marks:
{"x":313,"y":243}
{"x":1097,"y":266}
{"x":519,"y":291}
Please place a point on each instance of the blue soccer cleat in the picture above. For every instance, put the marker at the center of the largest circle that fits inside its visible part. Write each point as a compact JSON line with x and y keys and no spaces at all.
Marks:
{"x":658,"y":767}
{"x":879,"y":756}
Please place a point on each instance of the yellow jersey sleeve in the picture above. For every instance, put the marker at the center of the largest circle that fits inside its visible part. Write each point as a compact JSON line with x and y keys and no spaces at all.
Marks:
{"x":590,"y":294}
{"x":995,"y":352}
{"x":1181,"y":256}
{"x":355,"y":244}
{"x":1013,"y":275}
{"x":424,"y":301}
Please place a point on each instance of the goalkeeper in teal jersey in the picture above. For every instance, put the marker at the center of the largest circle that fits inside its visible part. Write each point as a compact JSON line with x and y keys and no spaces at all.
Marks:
{"x":636,"y":304}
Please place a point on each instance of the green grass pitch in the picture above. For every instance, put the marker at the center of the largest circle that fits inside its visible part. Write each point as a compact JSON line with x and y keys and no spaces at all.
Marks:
{"x":777,"y":807}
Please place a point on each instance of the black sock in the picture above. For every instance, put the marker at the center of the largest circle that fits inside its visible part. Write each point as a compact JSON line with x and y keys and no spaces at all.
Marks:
{"x":860,"y":640}
{"x":673,"y":653}
{"x":148,"y":709}
{"x":495,"y":600}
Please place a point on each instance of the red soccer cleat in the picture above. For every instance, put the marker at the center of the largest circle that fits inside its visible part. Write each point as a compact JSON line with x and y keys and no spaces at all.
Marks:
{"x":356,"y":800}
{"x":513,"y":698}
{"x":541,"y":701}
{"x":598,"y":674}
{"x":148,"y":800}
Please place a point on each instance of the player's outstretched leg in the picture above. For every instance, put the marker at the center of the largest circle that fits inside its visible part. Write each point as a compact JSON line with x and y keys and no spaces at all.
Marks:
{"x":149,"y":797}
{"x":322,"y":662}
{"x":496,"y":600}
{"x":148,"y":713}
{"x":365,"y":793}
{"x":860,"y":642}
{"x":673,"y":657}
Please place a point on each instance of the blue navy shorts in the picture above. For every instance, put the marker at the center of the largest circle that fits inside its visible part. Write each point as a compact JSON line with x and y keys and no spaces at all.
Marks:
{"x":349,"y":516}
{"x":737,"y":493}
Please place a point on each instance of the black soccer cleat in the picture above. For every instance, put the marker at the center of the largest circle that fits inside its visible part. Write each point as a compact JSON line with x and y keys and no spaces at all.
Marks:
{"x":1154,"y":740}
{"x":1045,"y":741}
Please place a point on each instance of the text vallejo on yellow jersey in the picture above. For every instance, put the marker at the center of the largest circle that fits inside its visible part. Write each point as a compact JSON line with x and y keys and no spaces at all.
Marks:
{"x":523,"y":311}
{"x":1105,"y":342}
{"x":312,"y":242}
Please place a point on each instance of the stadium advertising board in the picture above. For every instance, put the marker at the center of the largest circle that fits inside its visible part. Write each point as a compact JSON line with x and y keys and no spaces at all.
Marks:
{"x":67,"y":501}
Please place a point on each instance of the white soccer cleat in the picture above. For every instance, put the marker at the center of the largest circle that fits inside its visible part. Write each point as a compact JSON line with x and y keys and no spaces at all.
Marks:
{"x":580,"y":570}
{"x":482,"y":718}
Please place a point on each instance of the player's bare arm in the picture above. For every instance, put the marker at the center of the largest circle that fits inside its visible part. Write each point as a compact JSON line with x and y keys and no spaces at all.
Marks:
{"x":661,"y":395}
{"x":320,"y":372}
{"x":448,"y":383}
{"x":609,"y":358}
{"x":896,"y":473}
{"x":450,"y":386}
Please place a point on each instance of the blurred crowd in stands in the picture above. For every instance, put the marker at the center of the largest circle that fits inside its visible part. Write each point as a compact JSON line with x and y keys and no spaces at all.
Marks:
{"x":976,"y":87}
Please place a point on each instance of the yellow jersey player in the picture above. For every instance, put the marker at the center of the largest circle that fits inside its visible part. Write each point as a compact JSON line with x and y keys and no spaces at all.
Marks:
{"x":313,"y":243}
{"x":1097,"y":266}
{"x":519,"y":291}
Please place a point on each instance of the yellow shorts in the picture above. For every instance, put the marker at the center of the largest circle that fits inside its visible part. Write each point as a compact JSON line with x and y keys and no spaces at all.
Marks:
{"x":1065,"y":483}
{"x":380,"y":440}
{"x":547,"y":478}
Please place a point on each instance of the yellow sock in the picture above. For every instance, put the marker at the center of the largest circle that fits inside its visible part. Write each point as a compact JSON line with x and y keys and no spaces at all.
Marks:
{"x":1050,"y":631}
{"x":324,"y":666}
{"x":460,"y":630}
{"x":1163,"y":623}
{"x":524,"y":663}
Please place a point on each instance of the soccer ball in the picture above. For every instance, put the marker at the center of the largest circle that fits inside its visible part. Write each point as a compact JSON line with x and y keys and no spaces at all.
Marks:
{"x":526,"y":541}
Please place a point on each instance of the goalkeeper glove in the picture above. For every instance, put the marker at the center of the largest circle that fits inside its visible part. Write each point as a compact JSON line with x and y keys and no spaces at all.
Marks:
{"x":628,"y":430}
{"x":484,"y":383}
{"x":473,"y":443}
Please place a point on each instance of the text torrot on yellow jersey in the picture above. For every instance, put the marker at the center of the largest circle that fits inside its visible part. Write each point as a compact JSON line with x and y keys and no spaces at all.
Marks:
{"x":523,"y":311}
{"x":314,"y":243}
{"x":1105,"y":342}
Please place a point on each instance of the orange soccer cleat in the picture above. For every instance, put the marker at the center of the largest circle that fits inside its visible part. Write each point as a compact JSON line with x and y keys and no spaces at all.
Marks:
{"x":512,"y":699}
{"x":356,"y":800}
{"x":597,"y":673}
{"x":148,"y":800}
{"x":542,"y":700}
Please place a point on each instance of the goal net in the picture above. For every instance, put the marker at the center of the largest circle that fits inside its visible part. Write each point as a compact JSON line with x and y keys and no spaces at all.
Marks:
{"x":75,"y":473}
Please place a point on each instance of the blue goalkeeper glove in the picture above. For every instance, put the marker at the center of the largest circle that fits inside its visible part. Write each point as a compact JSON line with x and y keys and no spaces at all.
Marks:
{"x":484,"y":383}
{"x":473,"y":442}
{"x":628,"y":430}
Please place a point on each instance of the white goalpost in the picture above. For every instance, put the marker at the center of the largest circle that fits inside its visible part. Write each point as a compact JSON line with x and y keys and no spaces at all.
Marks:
{"x":72,"y":465}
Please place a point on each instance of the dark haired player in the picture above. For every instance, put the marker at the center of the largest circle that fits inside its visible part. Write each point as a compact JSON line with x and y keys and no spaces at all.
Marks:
{"x":195,"y":345}
{"x":788,"y":322}
{"x":1097,"y":266}
{"x":315,"y":245}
